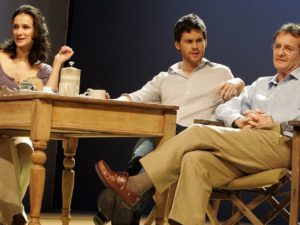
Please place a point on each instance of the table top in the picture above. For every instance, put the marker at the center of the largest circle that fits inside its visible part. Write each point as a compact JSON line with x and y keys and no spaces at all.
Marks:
{"x":52,"y":96}
{"x":80,"y":116}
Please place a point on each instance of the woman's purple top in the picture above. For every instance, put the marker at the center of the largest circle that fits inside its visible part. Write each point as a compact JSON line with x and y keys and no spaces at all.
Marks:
{"x":5,"y":80}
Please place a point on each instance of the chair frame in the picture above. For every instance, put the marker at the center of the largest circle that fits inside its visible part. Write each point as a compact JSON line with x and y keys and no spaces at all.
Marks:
{"x":242,"y":210}
{"x":265,"y":194}
{"x":295,"y":183}
{"x":268,"y":194}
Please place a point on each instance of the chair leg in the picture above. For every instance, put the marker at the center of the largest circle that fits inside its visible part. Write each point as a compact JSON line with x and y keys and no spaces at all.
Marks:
{"x":216,"y":205}
{"x":167,"y":198}
{"x":151,"y":217}
{"x":235,"y":209}
{"x":212,"y":216}
{"x":278,"y":208}
{"x":161,"y":203}
{"x":171,"y":195}
{"x":246,"y":211}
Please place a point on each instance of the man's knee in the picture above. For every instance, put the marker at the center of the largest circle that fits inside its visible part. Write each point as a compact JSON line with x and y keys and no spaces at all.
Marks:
{"x":197,"y":158}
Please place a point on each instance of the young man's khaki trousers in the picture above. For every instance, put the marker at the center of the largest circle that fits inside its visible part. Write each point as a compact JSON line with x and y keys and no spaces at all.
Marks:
{"x":15,"y":163}
{"x":204,"y":157}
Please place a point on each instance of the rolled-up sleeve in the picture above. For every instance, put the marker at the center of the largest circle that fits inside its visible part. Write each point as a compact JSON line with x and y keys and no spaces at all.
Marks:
{"x":232,"y":109}
{"x":150,"y":92}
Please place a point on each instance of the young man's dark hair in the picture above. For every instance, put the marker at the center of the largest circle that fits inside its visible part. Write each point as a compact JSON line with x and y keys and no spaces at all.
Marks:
{"x":186,"y":24}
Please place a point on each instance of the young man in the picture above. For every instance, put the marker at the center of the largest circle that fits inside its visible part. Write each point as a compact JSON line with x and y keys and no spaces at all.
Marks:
{"x":195,"y":84}
{"x":204,"y":157}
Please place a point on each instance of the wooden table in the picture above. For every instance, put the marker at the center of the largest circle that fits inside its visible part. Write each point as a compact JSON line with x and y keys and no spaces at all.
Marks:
{"x":295,"y":186}
{"x":44,"y":116}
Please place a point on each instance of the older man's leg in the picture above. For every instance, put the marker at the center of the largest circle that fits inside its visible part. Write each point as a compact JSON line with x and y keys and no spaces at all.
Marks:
{"x":200,"y":172}
{"x":249,"y":150}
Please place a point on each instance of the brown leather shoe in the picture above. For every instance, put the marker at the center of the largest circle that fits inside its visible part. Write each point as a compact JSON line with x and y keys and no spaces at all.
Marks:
{"x":117,"y":181}
{"x":19,"y":220}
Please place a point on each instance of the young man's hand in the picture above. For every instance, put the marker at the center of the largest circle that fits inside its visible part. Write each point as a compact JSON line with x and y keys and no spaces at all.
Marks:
{"x":227,"y":90}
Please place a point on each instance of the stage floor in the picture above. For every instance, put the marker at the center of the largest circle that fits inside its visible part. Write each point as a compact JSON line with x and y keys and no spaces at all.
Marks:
{"x":77,"y":219}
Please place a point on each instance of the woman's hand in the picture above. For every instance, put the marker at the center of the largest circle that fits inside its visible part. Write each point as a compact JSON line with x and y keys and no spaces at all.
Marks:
{"x":64,"y":54}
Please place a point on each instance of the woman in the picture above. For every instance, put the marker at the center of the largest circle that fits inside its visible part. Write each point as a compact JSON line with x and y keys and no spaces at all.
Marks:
{"x":21,"y":58}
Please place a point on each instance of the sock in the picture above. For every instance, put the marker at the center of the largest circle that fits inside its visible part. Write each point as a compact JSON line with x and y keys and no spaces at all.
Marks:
{"x":173,"y":222}
{"x":139,"y":183}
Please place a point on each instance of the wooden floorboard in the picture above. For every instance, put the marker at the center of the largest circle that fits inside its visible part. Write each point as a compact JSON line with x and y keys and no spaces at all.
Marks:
{"x":77,"y":219}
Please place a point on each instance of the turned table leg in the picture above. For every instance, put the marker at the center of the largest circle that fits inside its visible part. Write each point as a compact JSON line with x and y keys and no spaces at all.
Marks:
{"x":37,"y":181}
{"x":68,"y":175}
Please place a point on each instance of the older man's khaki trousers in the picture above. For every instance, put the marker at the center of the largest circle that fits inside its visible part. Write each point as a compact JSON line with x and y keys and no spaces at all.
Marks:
{"x":204,"y":157}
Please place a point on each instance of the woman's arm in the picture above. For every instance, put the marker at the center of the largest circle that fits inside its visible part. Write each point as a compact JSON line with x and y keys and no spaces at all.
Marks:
{"x":64,"y":54}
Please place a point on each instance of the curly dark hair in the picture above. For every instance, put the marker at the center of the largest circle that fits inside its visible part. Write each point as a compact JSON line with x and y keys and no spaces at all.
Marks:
{"x":41,"y":45}
{"x":187,"y":23}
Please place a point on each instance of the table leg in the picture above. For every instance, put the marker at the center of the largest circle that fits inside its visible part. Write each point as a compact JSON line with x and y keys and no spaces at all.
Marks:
{"x":68,"y":175}
{"x":161,"y":199}
{"x":160,"y":207}
{"x":37,"y":181}
{"x":163,"y":204}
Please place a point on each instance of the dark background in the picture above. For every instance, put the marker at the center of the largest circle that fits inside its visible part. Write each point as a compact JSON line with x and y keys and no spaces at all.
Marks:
{"x":119,"y":45}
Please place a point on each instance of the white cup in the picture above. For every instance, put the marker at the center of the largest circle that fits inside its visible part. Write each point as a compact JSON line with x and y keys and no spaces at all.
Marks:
{"x":95,"y":93}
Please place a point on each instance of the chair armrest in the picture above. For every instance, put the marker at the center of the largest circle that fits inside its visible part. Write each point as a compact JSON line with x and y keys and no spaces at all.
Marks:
{"x":294,"y":123}
{"x":210,"y":122}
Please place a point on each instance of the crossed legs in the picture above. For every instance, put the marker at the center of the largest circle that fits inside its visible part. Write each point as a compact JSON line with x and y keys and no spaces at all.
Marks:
{"x":204,"y":157}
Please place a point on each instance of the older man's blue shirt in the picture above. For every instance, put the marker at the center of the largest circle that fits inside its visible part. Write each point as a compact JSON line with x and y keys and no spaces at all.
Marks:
{"x":281,"y":100}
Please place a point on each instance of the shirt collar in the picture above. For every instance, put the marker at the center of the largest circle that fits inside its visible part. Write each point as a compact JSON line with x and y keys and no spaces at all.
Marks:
{"x":295,"y":74}
{"x":177,"y":67}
